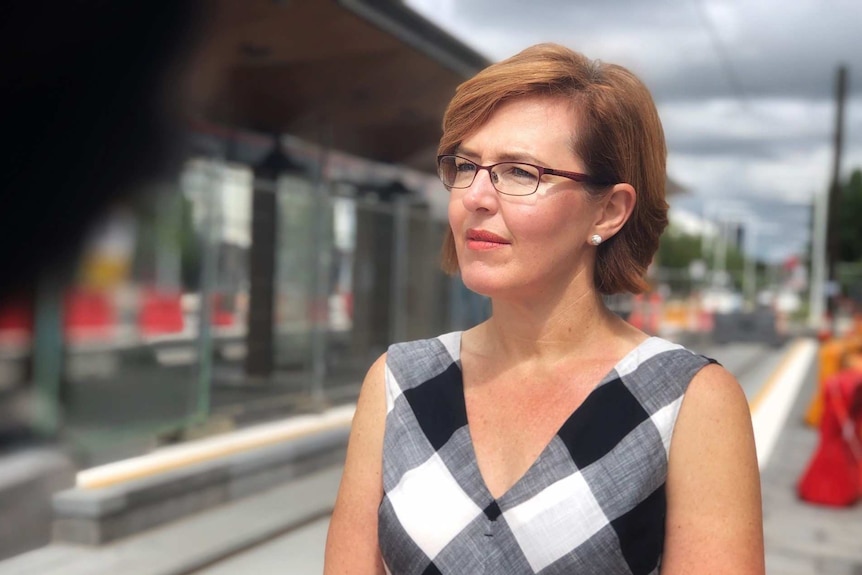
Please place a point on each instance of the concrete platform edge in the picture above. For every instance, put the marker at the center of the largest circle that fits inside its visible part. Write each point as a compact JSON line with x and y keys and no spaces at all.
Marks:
{"x":181,"y":547}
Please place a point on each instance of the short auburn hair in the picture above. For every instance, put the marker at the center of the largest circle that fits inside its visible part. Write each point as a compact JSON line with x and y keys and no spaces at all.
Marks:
{"x":619,"y":138}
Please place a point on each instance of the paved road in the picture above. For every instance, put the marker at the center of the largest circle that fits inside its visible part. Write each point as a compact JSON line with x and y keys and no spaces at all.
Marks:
{"x":300,"y":552}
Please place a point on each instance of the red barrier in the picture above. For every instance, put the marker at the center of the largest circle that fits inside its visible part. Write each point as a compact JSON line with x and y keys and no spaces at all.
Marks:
{"x":834,"y":474}
{"x":160,"y":313}
{"x":655,"y":304}
{"x":826,"y":329}
{"x":637,"y":317}
{"x":646,"y":312}
{"x":221,"y":316}
{"x":88,"y":312}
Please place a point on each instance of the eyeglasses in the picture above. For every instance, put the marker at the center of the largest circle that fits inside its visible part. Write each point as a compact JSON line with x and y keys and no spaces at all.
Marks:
{"x":509,"y":178}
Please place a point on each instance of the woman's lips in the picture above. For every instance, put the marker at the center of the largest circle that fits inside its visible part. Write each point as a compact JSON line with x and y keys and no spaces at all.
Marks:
{"x":484,"y":240}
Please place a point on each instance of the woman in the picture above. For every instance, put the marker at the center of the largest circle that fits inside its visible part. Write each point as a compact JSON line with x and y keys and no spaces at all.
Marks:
{"x":554,"y":437}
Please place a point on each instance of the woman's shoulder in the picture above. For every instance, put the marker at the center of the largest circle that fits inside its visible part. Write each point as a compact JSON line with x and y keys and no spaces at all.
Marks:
{"x":450,"y":339}
{"x":715,"y":388}
{"x":656,"y":356}
{"x":411,"y":363}
{"x":657,"y":373}
{"x":445,"y":347}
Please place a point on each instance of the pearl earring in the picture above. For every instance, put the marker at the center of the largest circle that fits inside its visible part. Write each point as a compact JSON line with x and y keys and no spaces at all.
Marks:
{"x":595,"y":239}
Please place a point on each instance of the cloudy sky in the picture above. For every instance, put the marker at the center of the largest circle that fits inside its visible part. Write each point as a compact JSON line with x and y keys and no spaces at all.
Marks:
{"x":745,"y":88}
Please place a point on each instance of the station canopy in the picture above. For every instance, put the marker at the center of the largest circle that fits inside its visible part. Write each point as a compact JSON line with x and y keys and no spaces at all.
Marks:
{"x":367,"y":77}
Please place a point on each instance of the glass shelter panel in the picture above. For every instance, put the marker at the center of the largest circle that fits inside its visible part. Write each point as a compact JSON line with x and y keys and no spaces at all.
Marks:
{"x":296,"y":261}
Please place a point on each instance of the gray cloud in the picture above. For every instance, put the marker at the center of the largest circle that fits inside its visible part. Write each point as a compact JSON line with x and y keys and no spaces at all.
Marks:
{"x":773,"y":48}
{"x":764,"y":148}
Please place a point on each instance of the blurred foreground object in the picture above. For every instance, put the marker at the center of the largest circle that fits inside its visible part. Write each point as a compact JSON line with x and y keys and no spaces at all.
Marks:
{"x":836,"y":355}
{"x":160,"y":117}
{"x":834,"y":475}
{"x":92,"y":96}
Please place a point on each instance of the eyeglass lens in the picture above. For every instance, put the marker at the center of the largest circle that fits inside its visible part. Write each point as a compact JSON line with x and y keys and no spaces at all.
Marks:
{"x":508,"y":178}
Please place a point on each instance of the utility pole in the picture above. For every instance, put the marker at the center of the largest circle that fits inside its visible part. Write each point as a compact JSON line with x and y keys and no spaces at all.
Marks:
{"x":835,"y":184}
{"x":719,"y":274}
{"x":749,"y":267}
{"x":817,"y":281}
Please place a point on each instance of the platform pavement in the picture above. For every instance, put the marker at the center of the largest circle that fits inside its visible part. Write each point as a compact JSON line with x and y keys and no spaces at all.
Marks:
{"x":200,"y":540}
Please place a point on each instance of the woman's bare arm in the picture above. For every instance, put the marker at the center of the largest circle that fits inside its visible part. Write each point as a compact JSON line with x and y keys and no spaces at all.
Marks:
{"x":714,"y":514}
{"x":351,"y":544}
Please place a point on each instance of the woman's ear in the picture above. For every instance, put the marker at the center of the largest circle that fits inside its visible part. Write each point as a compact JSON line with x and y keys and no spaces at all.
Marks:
{"x":617,"y":207}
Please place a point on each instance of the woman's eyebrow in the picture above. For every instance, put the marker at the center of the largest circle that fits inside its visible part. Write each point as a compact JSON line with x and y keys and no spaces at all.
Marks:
{"x":462,"y":151}
{"x":502,"y":157}
{"x":519,"y":157}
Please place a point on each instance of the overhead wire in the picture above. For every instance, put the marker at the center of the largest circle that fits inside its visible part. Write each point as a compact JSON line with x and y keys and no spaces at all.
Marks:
{"x":721,"y":52}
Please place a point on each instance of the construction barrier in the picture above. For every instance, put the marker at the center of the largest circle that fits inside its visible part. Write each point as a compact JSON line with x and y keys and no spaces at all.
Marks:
{"x":88,"y":313}
{"x":221,"y":315}
{"x":647,"y":312}
{"x":160,"y":313}
{"x":755,"y":326}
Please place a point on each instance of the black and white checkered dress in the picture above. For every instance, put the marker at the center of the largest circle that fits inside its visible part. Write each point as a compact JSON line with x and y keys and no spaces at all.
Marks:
{"x":592,"y":503}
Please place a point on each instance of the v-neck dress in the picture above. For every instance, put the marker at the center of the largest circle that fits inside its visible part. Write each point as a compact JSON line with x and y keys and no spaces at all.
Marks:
{"x":593,"y":502}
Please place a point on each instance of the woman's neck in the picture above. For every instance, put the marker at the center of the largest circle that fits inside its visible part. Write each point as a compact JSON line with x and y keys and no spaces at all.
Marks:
{"x":547,"y":330}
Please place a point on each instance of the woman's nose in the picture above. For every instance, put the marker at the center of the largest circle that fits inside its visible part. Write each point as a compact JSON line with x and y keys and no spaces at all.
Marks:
{"x":481,"y":194}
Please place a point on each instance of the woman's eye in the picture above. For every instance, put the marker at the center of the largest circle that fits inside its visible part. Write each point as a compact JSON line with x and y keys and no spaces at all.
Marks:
{"x":465,"y":167}
{"x":521,"y":173}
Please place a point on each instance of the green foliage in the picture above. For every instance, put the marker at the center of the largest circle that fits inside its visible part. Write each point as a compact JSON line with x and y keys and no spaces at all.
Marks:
{"x":677,"y":250}
{"x":849,"y":219}
{"x":165,"y":222}
{"x":189,"y":246}
{"x":146,"y":240}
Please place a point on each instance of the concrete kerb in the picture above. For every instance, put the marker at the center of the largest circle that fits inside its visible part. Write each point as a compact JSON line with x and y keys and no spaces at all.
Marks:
{"x":194,"y":542}
{"x":229,"y":469}
{"x":27,"y":480}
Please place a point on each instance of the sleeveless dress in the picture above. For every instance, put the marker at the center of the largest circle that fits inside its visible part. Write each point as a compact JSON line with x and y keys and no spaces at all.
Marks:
{"x":592,"y":503}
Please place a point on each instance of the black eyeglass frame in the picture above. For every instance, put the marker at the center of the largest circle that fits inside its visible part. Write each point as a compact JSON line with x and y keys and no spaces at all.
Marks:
{"x":575,"y":176}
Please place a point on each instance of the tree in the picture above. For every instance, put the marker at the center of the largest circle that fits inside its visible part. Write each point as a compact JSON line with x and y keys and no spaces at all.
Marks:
{"x":848,"y":270}
{"x":849,"y":219}
{"x":678,"y":249}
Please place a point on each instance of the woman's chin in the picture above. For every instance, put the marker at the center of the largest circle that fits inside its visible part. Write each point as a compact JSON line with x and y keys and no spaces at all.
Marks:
{"x":487,"y":283}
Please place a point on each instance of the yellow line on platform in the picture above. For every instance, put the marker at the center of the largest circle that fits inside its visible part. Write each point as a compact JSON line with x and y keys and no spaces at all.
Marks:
{"x":776,"y":375}
{"x":185,"y":455}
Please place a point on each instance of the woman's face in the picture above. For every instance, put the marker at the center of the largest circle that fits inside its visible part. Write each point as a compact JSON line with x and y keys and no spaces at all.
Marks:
{"x":524,"y":246}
